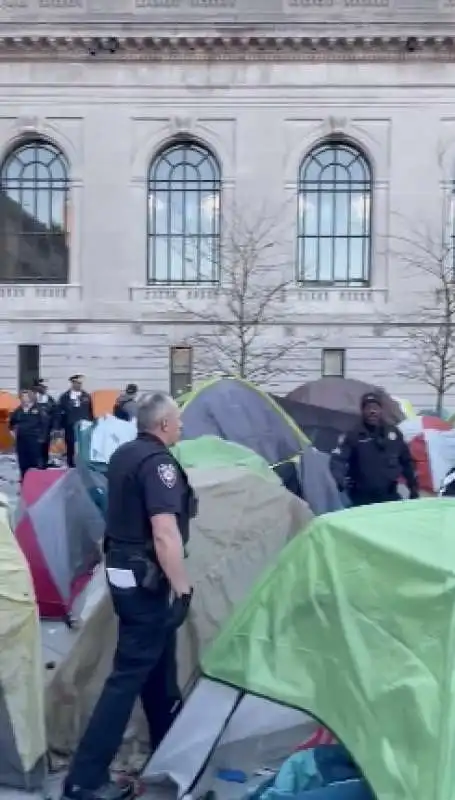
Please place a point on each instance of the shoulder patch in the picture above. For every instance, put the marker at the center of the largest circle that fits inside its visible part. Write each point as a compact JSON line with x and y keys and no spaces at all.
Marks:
{"x":341,"y":439}
{"x":392,"y":436}
{"x":167,"y":474}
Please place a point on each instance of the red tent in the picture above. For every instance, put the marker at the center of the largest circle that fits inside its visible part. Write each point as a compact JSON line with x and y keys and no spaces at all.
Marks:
{"x":59,"y":530}
{"x":432,"y":444}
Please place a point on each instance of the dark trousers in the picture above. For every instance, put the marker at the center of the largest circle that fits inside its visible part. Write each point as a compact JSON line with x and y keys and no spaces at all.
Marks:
{"x":70,"y":446}
{"x":145,"y":667}
{"x":368,"y":500}
{"x":45,"y":451}
{"x":28,"y":455}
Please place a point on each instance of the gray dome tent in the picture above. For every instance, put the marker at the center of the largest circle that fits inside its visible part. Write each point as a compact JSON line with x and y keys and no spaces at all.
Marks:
{"x":235,"y":410}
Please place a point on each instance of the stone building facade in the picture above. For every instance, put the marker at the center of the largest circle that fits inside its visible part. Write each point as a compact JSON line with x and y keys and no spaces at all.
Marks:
{"x":347,"y":104}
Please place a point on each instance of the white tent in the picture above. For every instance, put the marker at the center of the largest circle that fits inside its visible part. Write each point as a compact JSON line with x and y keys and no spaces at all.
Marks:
{"x":220,"y":728}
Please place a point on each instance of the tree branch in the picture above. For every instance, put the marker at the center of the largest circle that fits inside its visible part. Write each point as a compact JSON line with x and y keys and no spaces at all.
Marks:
{"x":233,"y":340}
{"x":431,"y":342}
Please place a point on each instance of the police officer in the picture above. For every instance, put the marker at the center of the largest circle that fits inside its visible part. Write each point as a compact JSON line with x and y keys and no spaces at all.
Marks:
{"x":48,"y":407}
{"x":371,"y":458}
{"x":28,"y":426}
{"x":150,"y":504}
{"x":75,"y":405}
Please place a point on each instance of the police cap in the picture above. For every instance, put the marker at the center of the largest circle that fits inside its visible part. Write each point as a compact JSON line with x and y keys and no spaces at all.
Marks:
{"x":370,"y":398}
{"x":77,"y":377}
{"x":39,"y":383}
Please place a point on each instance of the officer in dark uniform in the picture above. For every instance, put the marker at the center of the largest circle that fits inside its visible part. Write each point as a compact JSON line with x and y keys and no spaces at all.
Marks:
{"x":28,"y":426}
{"x":48,"y":407}
{"x":150,"y":504}
{"x":370,"y":459}
{"x":74,"y":406}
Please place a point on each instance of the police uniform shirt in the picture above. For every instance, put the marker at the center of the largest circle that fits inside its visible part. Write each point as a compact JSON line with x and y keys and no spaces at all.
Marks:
{"x":27,"y":422}
{"x":163,"y":486}
{"x":74,"y":407}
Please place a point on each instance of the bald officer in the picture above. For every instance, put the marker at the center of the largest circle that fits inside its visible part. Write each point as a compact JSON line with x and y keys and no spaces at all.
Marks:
{"x":150,"y":504}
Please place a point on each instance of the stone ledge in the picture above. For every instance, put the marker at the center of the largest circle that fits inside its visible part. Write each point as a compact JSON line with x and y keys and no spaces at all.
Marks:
{"x":184,"y":302}
{"x":233,"y":47}
{"x":35,"y":294}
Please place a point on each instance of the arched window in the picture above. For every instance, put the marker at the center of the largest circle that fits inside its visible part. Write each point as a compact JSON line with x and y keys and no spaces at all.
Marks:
{"x":34,"y":215}
{"x":334,"y":216}
{"x":184,"y":206}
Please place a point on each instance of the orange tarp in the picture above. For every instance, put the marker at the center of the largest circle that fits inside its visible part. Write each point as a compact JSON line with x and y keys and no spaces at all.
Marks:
{"x":103,"y":401}
{"x":7,"y":404}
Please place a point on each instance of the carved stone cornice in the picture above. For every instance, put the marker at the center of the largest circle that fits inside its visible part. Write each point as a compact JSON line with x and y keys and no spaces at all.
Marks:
{"x":235,"y":47}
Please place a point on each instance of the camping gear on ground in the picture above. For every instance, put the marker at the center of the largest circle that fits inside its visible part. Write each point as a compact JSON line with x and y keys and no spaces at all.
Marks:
{"x":310,"y":769}
{"x":345,"y":394}
{"x":60,"y":531}
{"x":353,"y":624}
{"x":347,"y":790}
{"x":245,"y":519}
{"x":323,"y":426}
{"x":432,"y":445}
{"x":238,"y":411}
{"x":22,"y":732}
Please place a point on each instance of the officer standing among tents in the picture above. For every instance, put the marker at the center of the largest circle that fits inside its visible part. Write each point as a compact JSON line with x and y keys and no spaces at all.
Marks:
{"x":369,"y":460}
{"x":75,"y":405}
{"x":150,"y":504}
{"x":28,"y":426}
{"x":48,"y":407}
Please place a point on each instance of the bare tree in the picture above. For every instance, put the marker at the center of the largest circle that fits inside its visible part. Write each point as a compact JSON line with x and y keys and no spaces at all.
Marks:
{"x":431,"y":340}
{"x":237,"y":331}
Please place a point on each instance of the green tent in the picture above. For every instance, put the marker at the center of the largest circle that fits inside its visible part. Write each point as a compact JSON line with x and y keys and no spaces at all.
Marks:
{"x":355,"y":624}
{"x":211,"y":451}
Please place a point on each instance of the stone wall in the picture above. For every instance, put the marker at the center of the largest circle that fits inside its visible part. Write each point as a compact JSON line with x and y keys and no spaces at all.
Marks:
{"x":260,"y":119}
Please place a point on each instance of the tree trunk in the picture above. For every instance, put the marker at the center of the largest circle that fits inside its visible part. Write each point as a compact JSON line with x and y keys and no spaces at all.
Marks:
{"x":439,"y":401}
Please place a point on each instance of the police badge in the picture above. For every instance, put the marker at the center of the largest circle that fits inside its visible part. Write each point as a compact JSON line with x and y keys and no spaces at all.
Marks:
{"x":168,"y":475}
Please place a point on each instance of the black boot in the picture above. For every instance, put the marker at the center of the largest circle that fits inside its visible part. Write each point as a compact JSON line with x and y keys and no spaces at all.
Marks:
{"x":109,"y":791}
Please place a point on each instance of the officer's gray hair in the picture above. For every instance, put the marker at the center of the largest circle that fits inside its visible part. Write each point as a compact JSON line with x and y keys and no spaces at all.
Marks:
{"x":153,"y":409}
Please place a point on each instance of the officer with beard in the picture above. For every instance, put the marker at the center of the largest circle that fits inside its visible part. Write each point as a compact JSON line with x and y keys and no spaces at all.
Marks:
{"x":370,"y":460}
